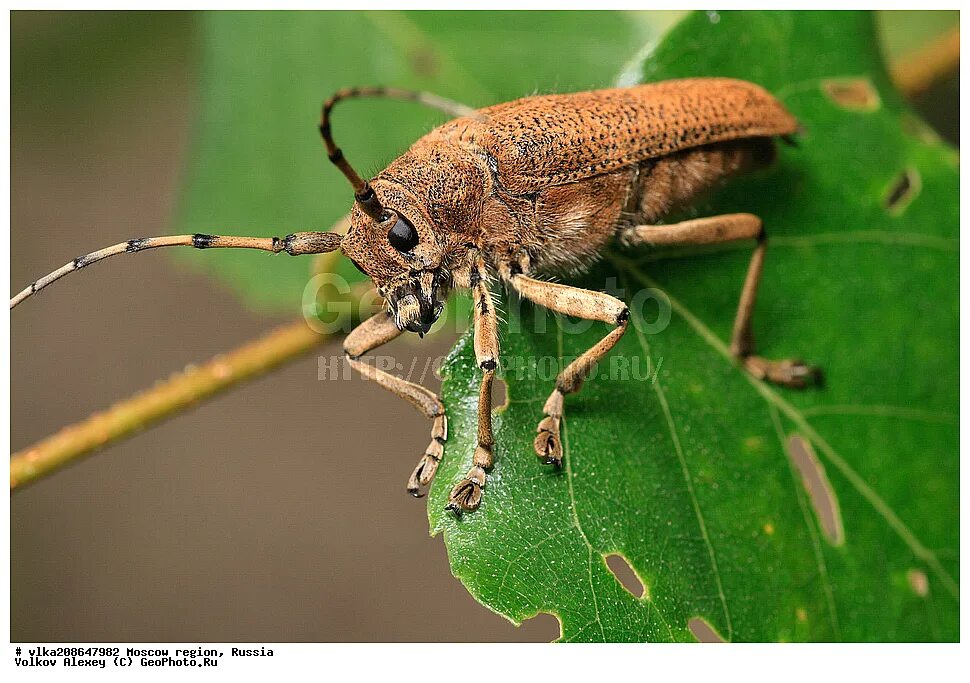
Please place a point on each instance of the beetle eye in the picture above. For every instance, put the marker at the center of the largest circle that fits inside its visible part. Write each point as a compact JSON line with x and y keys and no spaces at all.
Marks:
{"x":402,"y":235}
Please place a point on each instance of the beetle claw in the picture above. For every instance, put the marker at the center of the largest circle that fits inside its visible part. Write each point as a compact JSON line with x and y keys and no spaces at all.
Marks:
{"x":547,"y":444}
{"x":426,"y":468}
{"x":467,"y":494}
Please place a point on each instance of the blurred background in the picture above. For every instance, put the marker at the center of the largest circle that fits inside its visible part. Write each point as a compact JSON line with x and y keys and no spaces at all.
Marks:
{"x":274,"y":512}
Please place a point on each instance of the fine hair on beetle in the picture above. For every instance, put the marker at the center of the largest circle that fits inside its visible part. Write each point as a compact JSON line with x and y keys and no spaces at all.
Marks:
{"x":522,"y":193}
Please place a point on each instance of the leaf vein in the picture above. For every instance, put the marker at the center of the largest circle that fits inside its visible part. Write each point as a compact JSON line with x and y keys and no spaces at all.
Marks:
{"x":812,"y":531}
{"x":572,"y":501}
{"x":862,"y":487}
{"x":662,"y":396}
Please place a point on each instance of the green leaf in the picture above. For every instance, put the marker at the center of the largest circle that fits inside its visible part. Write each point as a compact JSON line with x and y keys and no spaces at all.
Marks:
{"x":689,"y":477}
{"x":258,"y":165}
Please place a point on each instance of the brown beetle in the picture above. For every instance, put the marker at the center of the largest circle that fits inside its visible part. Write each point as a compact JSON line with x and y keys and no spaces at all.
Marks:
{"x":528,"y":189}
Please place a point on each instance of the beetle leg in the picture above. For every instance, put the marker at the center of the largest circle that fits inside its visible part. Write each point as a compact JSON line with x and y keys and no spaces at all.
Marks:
{"x":581,"y":303}
{"x":376,"y":331}
{"x":729,"y":228}
{"x":467,"y":495}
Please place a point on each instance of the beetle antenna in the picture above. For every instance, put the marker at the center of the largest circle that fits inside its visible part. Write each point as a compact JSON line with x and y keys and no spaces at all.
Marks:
{"x":363,"y":193}
{"x":297,"y":244}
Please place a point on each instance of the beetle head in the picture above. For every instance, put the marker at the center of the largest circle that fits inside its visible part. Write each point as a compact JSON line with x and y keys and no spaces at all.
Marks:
{"x":398,"y":250}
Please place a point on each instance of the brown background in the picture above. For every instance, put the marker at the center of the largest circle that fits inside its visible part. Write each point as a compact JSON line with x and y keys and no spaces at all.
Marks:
{"x":218,"y":525}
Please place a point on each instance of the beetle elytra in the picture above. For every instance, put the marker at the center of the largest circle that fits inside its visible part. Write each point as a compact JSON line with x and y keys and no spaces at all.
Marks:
{"x":520,"y":191}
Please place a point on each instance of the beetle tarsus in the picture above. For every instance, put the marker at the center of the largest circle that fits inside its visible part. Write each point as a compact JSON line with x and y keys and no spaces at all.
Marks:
{"x":467,"y":494}
{"x":426,"y":468}
{"x":548,"y":444}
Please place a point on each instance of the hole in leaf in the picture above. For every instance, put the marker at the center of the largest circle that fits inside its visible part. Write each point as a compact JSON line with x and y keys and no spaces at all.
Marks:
{"x":915,"y":127}
{"x":626,"y":575}
{"x":820,"y":492}
{"x":542,"y":628}
{"x":856,"y":94}
{"x":903,"y":190}
{"x":918,"y":582}
{"x":424,"y":62}
{"x":703,"y":631}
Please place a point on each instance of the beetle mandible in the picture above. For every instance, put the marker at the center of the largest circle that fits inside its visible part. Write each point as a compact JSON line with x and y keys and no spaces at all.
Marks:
{"x":527,"y":189}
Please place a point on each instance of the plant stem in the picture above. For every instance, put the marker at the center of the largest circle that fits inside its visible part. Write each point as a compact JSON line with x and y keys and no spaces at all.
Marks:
{"x":917,"y":71}
{"x":161,"y":401}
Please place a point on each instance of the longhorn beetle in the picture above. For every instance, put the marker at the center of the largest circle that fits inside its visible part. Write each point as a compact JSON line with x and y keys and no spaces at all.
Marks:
{"x":522,"y":190}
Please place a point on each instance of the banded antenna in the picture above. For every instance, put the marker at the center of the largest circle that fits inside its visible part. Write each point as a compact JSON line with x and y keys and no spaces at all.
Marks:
{"x":363,"y":193}
{"x":297,"y":244}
